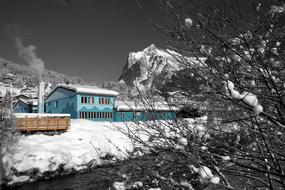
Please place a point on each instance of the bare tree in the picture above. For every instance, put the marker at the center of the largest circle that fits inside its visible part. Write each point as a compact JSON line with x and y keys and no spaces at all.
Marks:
{"x":239,"y":51}
{"x":8,"y":132}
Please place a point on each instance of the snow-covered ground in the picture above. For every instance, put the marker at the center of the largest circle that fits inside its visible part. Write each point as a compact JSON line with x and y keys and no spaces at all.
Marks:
{"x":4,"y":89}
{"x":86,"y":144}
{"x":83,"y":146}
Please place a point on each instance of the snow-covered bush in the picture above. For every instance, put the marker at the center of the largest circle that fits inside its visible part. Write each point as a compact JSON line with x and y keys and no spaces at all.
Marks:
{"x":244,"y":77}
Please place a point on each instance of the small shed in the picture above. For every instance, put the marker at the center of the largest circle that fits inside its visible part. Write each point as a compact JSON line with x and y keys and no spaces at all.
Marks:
{"x":25,"y":106}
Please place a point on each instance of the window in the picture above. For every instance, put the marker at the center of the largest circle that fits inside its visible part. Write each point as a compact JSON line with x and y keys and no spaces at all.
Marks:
{"x":136,"y":114}
{"x":87,"y":100}
{"x":56,"y":104}
{"x":122,"y":114}
{"x":105,"y":101}
{"x":81,"y":115}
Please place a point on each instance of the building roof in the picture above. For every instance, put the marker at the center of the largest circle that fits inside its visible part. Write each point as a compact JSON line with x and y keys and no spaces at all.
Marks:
{"x":29,"y":95}
{"x":139,"y":106}
{"x":33,"y":102}
{"x":87,"y":89}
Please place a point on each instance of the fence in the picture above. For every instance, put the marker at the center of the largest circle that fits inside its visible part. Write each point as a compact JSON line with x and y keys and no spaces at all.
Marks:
{"x":43,"y":123}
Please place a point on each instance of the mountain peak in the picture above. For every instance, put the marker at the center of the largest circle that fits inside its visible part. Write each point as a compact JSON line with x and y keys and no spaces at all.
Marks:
{"x":150,"y":49}
{"x":145,"y":67}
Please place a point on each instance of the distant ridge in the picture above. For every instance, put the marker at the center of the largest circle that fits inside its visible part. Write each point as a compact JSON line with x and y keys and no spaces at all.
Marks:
{"x":21,"y":75}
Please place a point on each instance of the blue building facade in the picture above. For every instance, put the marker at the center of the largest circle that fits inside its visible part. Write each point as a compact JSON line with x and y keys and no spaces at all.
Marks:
{"x":62,"y":100}
{"x":133,"y":112}
{"x":87,"y":102}
{"x":25,"y":106}
{"x":82,"y":102}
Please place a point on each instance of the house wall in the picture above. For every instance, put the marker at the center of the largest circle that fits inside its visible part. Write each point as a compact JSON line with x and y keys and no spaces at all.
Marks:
{"x":66,"y":101}
{"x":143,"y":116}
{"x":62,"y":101}
{"x":123,"y":116}
{"x":21,"y":107}
{"x":95,"y":108}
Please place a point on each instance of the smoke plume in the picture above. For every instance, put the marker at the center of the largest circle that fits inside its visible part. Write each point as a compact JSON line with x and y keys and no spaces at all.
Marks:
{"x":18,"y":33}
{"x":28,"y":54}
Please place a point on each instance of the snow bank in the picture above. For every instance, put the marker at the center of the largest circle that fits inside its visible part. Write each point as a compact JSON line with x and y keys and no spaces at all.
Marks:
{"x":35,"y":115}
{"x":83,"y":146}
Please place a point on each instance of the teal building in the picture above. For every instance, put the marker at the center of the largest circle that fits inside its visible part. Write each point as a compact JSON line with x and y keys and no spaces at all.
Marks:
{"x":86,"y":102}
{"x":137,"y":111}
{"x":25,"y":106}
{"x":97,"y":104}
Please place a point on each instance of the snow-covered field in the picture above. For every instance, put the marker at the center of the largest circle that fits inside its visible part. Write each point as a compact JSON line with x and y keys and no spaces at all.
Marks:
{"x":84,"y":145}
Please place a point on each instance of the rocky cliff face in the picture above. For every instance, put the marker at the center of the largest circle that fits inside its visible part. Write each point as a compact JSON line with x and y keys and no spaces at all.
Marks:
{"x":157,"y":69}
{"x":149,"y":68}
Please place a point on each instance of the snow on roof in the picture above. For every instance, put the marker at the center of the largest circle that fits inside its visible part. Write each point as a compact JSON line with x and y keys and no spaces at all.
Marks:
{"x":34,"y":115}
{"x":28,"y":95}
{"x":88,"y":89}
{"x":152,"y":106}
{"x":33,"y":102}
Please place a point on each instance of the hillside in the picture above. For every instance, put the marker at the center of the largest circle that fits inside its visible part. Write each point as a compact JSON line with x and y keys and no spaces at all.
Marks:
{"x":21,"y":76}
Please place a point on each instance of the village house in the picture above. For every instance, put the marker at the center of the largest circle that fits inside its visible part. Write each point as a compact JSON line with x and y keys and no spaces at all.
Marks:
{"x":25,"y":106}
{"x":139,"y":111}
{"x":98,"y":104}
{"x":85,"y":102}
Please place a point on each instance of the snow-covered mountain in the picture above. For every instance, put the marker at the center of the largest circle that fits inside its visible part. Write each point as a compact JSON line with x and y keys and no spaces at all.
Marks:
{"x":152,"y":68}
{"x":146,"y":68}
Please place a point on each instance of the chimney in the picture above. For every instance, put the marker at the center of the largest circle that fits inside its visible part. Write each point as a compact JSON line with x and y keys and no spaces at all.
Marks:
{"x":41,"y":98}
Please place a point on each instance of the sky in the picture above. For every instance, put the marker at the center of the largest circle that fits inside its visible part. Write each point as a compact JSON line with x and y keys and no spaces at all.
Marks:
{"x":86,"y":38}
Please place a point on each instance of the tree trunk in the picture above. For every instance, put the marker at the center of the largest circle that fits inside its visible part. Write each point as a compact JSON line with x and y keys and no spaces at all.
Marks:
{"x":1,"y":170}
